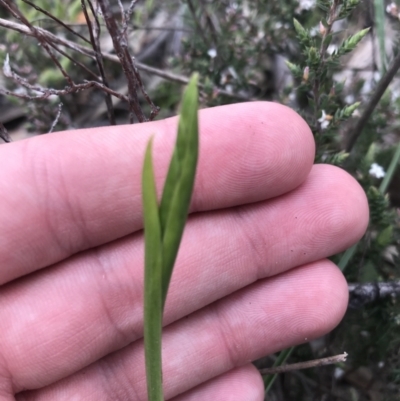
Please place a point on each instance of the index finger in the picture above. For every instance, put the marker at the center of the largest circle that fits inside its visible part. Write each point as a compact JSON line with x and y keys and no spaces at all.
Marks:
{"x":66,"y":192}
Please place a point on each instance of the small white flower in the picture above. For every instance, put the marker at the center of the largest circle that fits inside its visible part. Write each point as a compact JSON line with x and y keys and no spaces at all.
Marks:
{"x":392,"y":9}
{"x":377,"y":76}
{"x":6,"y":66}
{"x":338,"y":373}
{"x":332,"y":48}
{"x":314,"y":31}
{"x":376,"y":171}
{"x":305,"y":5}
{"x":324,"y":120}
{"x":212,"y":53}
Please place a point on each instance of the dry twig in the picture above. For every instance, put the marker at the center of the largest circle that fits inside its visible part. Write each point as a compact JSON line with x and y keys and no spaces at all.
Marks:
{"x":94,"y":33}
{"x":364,"y":293}
{"x":53,"y":125}
{"x":304,"y":365}
{"x":90,"y":53}
{"x":133,"y":78}
{"x":15,"y":12}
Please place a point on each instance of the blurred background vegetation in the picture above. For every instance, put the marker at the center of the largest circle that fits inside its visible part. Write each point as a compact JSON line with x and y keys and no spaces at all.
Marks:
{"x":327,"y":59}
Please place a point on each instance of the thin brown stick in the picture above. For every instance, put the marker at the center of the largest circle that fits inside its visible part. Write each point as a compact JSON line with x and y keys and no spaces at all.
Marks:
{"x":362,"y":294}
{"x":121,"y":48}
{"x":373,"y":102}
{"x":53,"y":125}
{"x":94,"y":33}
{"x":40,"y":93}
{"x":304,"y":365}
{"x":37,"y":34}
{"x":125,"y":16}
{"x":74,"y":61}
{"x":41,"y":10}
{"x":170,"y":76}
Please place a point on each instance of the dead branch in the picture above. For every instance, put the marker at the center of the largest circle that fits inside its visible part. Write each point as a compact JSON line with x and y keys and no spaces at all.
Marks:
{"x":364,"y":293}
{"x":53,"y":125}
{"x":94,"y":33}
{"x":90,"y":53}
{"x":304,"y":365}
{"x":126,"y":15}
{"x":133,"y":78}
{"x":37,"y":34}
{"x":51,"y":16}
{"x":37,"y":92}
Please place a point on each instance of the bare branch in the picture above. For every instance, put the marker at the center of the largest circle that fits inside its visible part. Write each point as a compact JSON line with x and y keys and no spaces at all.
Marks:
{"x":364,"y":293}
{"x":53,"y":125}
{"x":127,"y":63}
{"x":90,"y":53}
{"x":40,"y":93}
{"x":126,"y":15}
{"x":56,"y":19}
{"x":74,"y":61}
{"x":94,"y":32}
{"x":304,"y":365}
{"x":37,"y":34}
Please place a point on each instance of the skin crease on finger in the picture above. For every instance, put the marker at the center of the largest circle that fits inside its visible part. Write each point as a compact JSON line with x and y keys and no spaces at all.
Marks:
{"x":270,"y":315}
{"x":81,"y":189}
{"x":238,"y":384}
{"x":96,"y":297}
{"x":93,"y":303}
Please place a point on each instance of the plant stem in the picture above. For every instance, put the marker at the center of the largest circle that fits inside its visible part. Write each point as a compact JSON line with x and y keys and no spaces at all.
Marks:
{"x":373,"y":102}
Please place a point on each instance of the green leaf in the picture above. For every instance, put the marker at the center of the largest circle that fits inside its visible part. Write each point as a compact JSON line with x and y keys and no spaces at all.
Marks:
{"x":351,"y":42}
{"x":385,"y":236}
{"x":282,"y":358}
{"x":303,"y":35}
{"x":391,"y":170}
{"x":299,"y":28}
{"x":349,"y":110}
{"x":179,"y":183}
{"x":152,"y":281}
{"x":163,"y":229}
{"x":294,"y":69}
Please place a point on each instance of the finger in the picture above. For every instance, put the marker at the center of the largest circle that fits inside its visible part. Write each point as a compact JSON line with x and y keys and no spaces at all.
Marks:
{"x":268,"y":316}
{"x":76,"y":190}
{"x":238,"y":384}
{"x":96,"y":297}
{"x":243,"y":383}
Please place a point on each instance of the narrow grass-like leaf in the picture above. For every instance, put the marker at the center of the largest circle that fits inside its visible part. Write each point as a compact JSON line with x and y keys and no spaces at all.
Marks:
{"x":345,"y":259}
{"x":390,"y":171}
{"x":282,"y":358}
{"x":176,"y":196}
{"x":152,"y":281}
{"x":163,"y":229}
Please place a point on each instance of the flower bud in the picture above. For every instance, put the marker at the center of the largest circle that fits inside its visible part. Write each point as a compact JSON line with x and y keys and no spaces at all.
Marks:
{"x":322,"y":29}
{"x":306,"y":73}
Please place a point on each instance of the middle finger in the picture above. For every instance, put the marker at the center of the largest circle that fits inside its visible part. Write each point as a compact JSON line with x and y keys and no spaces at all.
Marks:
{"x":97,"y":296}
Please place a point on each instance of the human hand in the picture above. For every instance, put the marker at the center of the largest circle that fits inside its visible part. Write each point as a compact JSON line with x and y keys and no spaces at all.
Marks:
{"x":251,"y":276}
